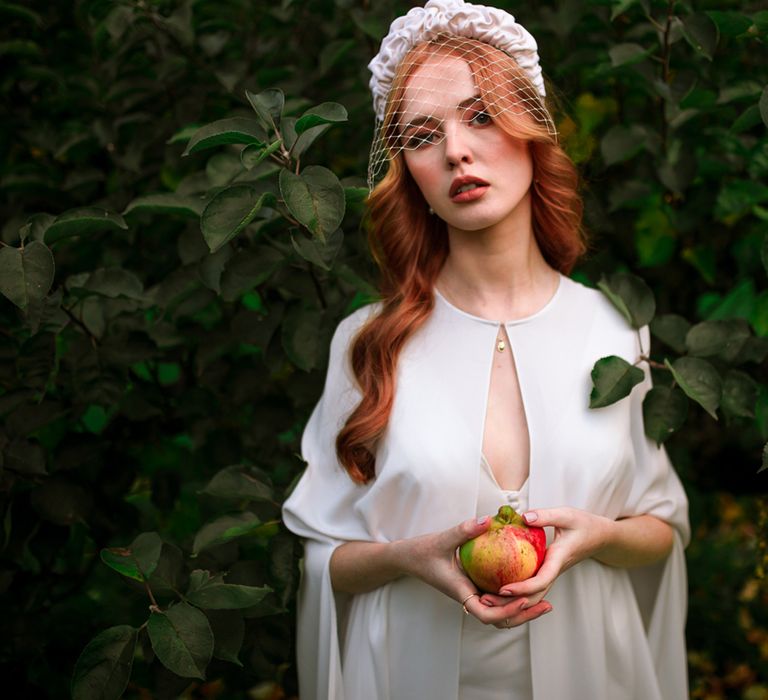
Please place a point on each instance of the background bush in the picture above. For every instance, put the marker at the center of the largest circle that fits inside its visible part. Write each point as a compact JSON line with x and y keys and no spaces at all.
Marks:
{"x":165,"y":318}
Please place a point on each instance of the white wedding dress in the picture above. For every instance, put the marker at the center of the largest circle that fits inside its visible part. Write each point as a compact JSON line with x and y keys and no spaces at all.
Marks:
{"x":613,"y":633}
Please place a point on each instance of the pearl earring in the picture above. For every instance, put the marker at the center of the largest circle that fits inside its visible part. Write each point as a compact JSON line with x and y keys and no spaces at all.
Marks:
{"x":431,"y":210}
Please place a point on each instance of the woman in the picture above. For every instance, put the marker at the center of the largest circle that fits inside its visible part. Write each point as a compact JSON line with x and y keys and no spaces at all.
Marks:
{"x":434,"y":412}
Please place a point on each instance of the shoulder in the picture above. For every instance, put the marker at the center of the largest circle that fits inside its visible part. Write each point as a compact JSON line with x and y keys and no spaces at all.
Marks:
{"x":604,"y":320}
{"x":350,"y":325}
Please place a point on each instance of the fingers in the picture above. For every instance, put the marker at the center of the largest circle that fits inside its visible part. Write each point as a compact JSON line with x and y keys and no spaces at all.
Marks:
{"x":524,"y":616}
{"x":505,"y":613}
{"x":543,"y":579}
{"x":468,"y":530}
{"x":543,"y":517}
{"x":491,"y":600}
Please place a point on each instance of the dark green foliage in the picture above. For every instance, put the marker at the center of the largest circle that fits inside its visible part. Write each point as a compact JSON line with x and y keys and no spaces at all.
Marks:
{"x":181,"y":195}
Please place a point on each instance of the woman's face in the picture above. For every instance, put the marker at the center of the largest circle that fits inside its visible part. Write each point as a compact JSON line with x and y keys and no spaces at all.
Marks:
{"x":461,"y":145}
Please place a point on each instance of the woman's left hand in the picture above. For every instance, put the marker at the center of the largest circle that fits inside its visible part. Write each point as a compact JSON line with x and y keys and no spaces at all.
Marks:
{"x":579,"y":534}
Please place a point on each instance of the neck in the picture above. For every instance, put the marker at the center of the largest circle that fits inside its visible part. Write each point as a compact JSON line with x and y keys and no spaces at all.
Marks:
{"x":498,"y":272}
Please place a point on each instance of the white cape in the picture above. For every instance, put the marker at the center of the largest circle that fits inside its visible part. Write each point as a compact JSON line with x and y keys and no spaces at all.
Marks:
{"x":614,"y":633}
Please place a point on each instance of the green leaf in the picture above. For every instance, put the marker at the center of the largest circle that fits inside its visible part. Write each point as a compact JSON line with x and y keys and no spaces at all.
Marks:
{"x":612,"y":379}
{"x":206,"y":591}
{"x":701,"y":33}
{"x":671,"y":329}
{"x":225,"y":529}
{"x":111,"y":282}
{"x":355,"y":195}
{"x":298,"y":143}
{"x":748,"y":119}
{"x":36,"y":226}
{"x":26,"y":274}
{"x":301,"y":336}
{"x":78,"y":222}
{"x":137,"y":561}
{"x":184,"y":134}
{"x":254,"y":154}
{"x":325,"y":113}
{"x":268,"y":105}
{"x":754,"y":350}
{"x":182,"y":639}
{"x":621,"y":143}
{"x":235,"y":483}
{"x":315,"y":198}
{"x":664,"y":411}
{"x":103,"y":668}
{"x":703,"y":258}
{"x":225,"y":131}
{"x":631,"y":296}
{"x":13,"y":9}
{"x":228,"y":633}
{"x":699,"y":380}
{"x":167,"y":576}
{"x":249,"y":269}
{"x":718,"y":338}
{"x":316,"y":252}
{"x":619,"y":7}
{"x":167,"y":203}
{"x":730,"y":23}
{"x":739,"y":393}
{"x":230,"y":211}
{"x":627,"y":54}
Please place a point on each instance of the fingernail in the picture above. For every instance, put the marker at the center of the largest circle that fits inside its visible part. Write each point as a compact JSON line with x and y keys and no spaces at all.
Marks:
{"x":531,"y":517}
{"x":483,"y":520}
{"x":506,"y":593}
{"x":546,"y":611}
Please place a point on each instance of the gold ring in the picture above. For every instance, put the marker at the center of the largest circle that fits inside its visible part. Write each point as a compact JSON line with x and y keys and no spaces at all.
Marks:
{"x":464,"y":602}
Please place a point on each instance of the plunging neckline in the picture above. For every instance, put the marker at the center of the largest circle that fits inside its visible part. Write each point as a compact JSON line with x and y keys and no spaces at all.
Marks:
{"x":493,"y":476}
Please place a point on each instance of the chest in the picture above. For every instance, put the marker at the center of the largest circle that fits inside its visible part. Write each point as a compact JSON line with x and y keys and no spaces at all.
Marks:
{"x":506,"y":442}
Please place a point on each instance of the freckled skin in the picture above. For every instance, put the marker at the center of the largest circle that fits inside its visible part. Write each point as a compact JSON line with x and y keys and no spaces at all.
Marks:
{"x":508,"y":552}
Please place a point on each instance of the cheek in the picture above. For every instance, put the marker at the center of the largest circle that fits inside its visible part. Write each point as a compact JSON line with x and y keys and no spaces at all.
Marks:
{"x":424,"y":174}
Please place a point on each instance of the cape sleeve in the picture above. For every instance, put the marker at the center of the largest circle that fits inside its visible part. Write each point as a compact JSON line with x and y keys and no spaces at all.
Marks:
{"x":661,"y":588}
{"x":321,"y":509}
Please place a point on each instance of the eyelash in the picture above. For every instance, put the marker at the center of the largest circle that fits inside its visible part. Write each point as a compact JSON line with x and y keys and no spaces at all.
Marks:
{"x":417,"y":141}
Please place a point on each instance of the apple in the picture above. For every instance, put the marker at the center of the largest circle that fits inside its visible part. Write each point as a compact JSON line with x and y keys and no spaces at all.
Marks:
{"x":507,"y":552}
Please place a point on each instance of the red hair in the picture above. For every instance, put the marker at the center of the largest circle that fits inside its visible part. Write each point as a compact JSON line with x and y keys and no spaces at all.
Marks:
{"x":410,"y":246}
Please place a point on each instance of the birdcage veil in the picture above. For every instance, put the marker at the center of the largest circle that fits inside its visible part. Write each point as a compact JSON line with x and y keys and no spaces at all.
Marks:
{"x":420,"y":53}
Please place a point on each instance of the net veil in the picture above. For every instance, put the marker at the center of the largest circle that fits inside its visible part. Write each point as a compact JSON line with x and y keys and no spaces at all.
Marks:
{"x":450,"y":82}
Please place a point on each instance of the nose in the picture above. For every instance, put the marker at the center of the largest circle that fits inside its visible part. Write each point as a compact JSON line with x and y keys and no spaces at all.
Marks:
{"x":457,"y":148}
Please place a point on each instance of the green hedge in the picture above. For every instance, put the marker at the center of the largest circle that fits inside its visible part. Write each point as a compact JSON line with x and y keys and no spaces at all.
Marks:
{"x":182,"y":189}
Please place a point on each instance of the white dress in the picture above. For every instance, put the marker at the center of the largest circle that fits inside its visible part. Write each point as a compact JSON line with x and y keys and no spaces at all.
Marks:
{"x":495,"y":664}
{"x":613,"y":634}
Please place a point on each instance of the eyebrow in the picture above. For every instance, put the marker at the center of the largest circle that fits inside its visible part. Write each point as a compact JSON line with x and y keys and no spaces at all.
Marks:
{"x":423,"y":119}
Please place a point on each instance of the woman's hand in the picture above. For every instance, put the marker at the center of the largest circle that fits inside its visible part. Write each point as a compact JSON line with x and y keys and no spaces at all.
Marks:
{"x":434,"y":559}
{"x":579,"y":535}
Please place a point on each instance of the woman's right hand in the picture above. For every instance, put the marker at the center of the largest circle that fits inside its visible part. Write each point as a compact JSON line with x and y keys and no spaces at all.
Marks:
{"x":434,"y":559}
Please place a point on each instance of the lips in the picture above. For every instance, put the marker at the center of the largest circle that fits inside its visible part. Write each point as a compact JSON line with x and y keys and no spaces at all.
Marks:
{"x":463,"y":181}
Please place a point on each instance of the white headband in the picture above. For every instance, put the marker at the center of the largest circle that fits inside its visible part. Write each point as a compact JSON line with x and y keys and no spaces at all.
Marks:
{"x":488,"y":24}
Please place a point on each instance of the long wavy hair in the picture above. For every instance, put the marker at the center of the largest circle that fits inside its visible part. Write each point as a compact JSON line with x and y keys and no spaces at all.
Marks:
{"x":410,"y":246}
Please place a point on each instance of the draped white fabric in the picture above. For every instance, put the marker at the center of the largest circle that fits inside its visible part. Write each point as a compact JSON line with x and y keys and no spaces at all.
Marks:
{"x":614,"y":633}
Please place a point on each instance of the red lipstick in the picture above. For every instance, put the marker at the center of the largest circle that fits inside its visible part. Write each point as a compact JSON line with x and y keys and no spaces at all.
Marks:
{"x":468,"y":195}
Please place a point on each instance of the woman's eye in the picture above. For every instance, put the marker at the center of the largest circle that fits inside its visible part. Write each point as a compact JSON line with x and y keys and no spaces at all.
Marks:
{"x":481,"y":118}
{"x":420,"y":139}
